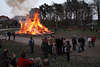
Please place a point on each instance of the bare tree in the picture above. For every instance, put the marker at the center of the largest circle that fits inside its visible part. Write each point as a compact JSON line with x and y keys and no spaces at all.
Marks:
{"x":97,"y":2}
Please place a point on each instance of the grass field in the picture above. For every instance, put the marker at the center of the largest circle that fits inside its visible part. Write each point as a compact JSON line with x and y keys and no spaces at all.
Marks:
{"x":61,"y":61}
{"x":76,"y":60}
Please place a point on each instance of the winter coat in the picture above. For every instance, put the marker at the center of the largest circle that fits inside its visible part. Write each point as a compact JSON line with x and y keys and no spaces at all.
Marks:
{"x":53,"y":49}
{"x":31,"y":43}
{"x":22,"y":62}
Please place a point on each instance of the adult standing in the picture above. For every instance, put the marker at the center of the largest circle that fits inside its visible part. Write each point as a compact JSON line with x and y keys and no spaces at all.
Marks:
{"x":8,"y":34}
{"x":45,"y":47}
{"x":58,"y":42}
{"x":93,"y":41}
{"x":62,"y":44}
{"x":89,"y":42}
{"x":67,"y":50}
{"x":31,"y":44}
{"x":50,"y":43}
{"x":14,"y":35}
{"x":0,"y":43}
{"x":54,"y":50}
{"x":74,"y":42}
{"x":81,"y":41}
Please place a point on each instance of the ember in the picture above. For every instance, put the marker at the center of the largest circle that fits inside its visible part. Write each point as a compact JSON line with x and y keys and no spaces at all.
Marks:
{"x":33,"y":26}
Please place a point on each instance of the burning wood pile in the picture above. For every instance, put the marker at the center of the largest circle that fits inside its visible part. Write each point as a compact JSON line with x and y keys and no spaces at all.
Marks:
{"x":33,"y":26}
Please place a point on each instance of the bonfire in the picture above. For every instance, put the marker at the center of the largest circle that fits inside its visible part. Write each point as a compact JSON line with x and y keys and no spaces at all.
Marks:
{"x":33,"y":26}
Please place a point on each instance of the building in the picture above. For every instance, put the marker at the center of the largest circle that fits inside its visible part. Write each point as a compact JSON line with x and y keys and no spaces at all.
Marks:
{"x":3,"y":21}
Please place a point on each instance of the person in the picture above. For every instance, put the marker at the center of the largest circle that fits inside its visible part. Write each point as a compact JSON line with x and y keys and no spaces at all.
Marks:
{"x":74,"y":42}
{"x":62,"y":44}
{"x":46,"y":62}
{"x":81,"y":41}
{"x":31,"y":44}
{"x":45,"y":47}
{"x":14,"y":35}
{"x":49,"y":46}
{"x":54,"y":50}
{"x":64,"y":41}
{"x":59,"y":45}
{"x":93,"y":41}
{"x":37,"y":62}
{"x":13,"y":60}
{"x":8,"y":34}
{"x":23,"y":61}
{"x":0,"y":43}
{"x":5,"y":59}
{"x":89,"y":42}
{"x":67,"y":50}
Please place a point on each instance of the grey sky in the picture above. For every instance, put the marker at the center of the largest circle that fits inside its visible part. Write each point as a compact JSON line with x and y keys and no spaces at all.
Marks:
{"x":26,"y":6}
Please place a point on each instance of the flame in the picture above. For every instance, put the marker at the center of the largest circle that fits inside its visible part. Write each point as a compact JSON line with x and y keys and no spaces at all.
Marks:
{"x":32,"y":27}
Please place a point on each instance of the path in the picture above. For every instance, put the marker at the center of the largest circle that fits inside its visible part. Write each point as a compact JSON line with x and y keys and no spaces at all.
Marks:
{"x":8,"y":29}
{"x":24,"y":40}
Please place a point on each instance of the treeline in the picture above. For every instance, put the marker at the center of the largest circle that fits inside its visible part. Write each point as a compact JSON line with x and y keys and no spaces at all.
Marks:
{"x":69,"y":13}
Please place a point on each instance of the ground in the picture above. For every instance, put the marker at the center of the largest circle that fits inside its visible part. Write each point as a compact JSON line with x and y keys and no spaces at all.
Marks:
{"x":89,"y":58}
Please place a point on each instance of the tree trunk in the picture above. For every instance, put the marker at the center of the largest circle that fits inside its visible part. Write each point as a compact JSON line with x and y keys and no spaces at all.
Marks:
{"x":98,"y":8}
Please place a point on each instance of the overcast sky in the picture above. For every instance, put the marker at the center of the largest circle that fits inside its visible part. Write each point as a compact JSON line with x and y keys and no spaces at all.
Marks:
{"x":11,"y":11}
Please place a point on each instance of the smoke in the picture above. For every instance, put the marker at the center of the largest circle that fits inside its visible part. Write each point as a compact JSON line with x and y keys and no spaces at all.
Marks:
{"x":21,"y":7}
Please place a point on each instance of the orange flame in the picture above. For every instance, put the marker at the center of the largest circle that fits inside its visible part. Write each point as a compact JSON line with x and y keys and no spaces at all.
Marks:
{"x":32,"y":27}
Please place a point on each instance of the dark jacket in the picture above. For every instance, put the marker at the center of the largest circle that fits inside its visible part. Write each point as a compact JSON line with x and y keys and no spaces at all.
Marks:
{"x":81,"y":40}
{"x":74,"y":41}
{"x":31,"y":43}
{"x":4,"y":60}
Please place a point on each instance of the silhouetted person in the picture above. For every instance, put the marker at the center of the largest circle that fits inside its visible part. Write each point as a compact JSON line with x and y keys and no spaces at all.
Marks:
{"x":8,"y":34}
{"x":67,"y":50}
{"x":59,"y":45}
{"x":14,"y":35}
{"x":0,"y":43}
{"x":81,"y":40}
{"x":62,"y":44}
{"x":74,"y":42}
{"x":31,"y":44}
{"x":54,"y":50}
{"x":45,"y":47}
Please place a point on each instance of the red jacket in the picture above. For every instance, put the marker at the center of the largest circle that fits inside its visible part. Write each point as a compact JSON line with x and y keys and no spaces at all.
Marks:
{"x":22,"y":62}
{"x":93,"y":39}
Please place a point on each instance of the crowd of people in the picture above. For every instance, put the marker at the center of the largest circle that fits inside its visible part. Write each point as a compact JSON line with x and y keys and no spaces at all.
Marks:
{"x":51,"y":46}
{"x":9,"y":34}
{"x":55,"y":45}
{"x":22,"y":61}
